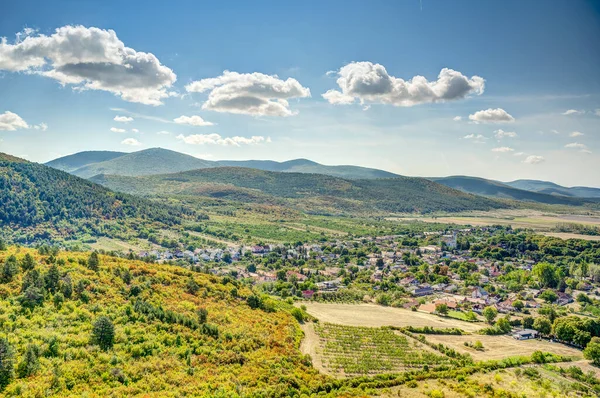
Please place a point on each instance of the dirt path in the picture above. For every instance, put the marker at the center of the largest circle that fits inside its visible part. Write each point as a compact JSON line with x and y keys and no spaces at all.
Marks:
{"x":310,"y":345}
{"x":376,"y":315}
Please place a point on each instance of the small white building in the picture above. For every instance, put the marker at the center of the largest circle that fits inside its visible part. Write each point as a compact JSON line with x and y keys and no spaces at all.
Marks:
{"x":525,"y":334}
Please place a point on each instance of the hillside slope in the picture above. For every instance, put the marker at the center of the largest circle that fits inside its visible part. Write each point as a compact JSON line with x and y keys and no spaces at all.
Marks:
{"x":551,"y":188}
{"x":37,"y":199}
{"x":308,"y":166}
{"x":73,"y":162}
{"x":309,"y":191}
{"x":146,"y":162}
{"x":161,"y":346}
{"x":495,"y":189}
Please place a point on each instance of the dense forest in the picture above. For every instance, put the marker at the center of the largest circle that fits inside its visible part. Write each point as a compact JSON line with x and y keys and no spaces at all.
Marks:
{"x":312,"y":192}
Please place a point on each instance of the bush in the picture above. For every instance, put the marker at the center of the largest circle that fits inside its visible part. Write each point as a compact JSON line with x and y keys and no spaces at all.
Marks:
{"x":103,"y":333}
{"x":6,"y":364}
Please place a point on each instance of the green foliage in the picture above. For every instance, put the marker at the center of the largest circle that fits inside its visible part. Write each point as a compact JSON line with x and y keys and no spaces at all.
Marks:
{"x":93,"y":262}
{"x":27,"y":262}
{"x":6,"y":363}
{"x":10,"y":268}
{"x":592,"y":351}
{"x":542,"y":325}
{"x":30,"y":363}
{"x":490,"y":313}
{"x":103,"y":333}
{"x":202,"y":315}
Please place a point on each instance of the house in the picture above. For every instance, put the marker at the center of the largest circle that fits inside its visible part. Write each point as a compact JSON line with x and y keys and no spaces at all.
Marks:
{"x":525,"y":334}
{"x":422,"y":291}
{"x":478,"y":292}
{"x":308,"y":294}
{"x":429,"y":308}
{"x":451,"y":304}
{"x":564,"y":298}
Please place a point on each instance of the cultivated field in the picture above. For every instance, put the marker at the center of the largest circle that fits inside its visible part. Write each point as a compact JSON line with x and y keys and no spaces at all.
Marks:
{"x":566,"y":235}
{"x":499,"y":347}
{"x":375,"y":316}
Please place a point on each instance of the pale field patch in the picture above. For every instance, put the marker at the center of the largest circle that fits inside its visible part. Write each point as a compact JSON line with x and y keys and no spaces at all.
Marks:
{"x":376,"y":316}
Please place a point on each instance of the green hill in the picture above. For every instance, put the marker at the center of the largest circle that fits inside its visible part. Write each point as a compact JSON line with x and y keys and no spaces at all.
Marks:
{"x":146,"y":162}
{"x":551,"y":188}
{"x":39,"y":201}
{"x":311,"y":192}
{"x":495,"y":189}
{"x":308,"y":166}
{"x":164,"y":161}
{"x":73,"y":162}
{"x":160,"y":345}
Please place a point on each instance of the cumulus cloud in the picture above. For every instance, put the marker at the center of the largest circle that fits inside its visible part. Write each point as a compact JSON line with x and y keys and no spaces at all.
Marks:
{"x":502,"y":149}
{"x":117,"y":130}
{"x":131,"y":141}
{"x":457,"y":118}
{"x":253,"y":94}
{"x":369,"y":82}
{"x":476,"y":138}
{"x":193,"y":120}
{"x":572,"y":112}
{"x":135,"y":130}
{"x":534,"y":159}
{"x":576,"y":145}
{"x":163,"y":132}
{"x":123,"y":119}
{"x":576,"y":134}
{"x":90,"y":59}
{"x":10,"y":121}
{"x":504,"y":134}
{"x":216,"y":139}
{"x":490,"y":115}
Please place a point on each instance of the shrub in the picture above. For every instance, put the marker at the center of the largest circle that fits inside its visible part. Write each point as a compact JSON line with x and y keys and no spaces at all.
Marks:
{"x":6,"y":364}
{"x":103,"y":333}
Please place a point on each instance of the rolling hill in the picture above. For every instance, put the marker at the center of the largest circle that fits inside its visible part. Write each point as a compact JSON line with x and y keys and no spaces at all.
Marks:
{"x":164,"y":161}
{"x":551,"y":188}
{"x":37,"y":199}
{"x":306,"y":191}
{"x":73,"y":162}
{"x":496,"y":189}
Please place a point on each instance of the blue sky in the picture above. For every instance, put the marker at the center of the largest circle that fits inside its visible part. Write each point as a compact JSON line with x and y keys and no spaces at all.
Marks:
{"x":539,"y":60}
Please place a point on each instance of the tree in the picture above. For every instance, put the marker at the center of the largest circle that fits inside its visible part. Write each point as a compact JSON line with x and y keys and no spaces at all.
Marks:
{"x":546,"y":274}
{"x":32,"y":297}
{"x":490,"y":313}
{"x":504,"y":325}
{"x":592,"y":351}
{"x":281,"y":275}
{"x":93,"y":262}
{"x":30,"y":363}
{"x":549,"y":295}
{"x":28,"y":262}
{"x":66,"y":287}
{"x":254,"y":301}
{"x":52,"y":278}
{"x":442,"y":309}
{"x":202,"y":315}
{"x":226,"y":257}
{"x":6,"y":363}
{"x":2,"y":245}
{"x":10,"y":268}
{"x":103,"y":333}
{"x":518,"y":305}
{"x":528,"y":322}
{"x":548,"y":311}
{"x":192,"y":287}
{"x":542,"y":325}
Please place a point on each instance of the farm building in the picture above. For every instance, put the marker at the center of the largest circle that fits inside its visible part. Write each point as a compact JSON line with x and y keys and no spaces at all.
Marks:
{"x":525,"y":334}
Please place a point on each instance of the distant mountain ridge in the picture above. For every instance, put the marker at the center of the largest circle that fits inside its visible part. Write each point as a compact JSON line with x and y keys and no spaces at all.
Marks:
{"x":163,"y":161}
{"x":551,"y":188}
{"x":310,"y":192}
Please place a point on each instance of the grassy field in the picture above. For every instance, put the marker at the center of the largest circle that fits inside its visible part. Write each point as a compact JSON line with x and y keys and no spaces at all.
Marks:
{"x":372,"y":315}
{"x":499,"y":347}
{"x":109,"y":244}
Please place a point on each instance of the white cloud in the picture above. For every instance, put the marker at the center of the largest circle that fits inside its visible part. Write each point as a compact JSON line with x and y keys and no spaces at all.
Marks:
{"x":10,"y":121}
{"x":193,"y":120}
{"x":163,"y":132}
{"x":116,"y":130}
{"x":131,"y":141}
{"x":534,"y":159}
{"x":135,"y":130}
{"x":576,"y":134}
{"x":475,"y":137}
{"x":457,"y":118}
{"x":123,"y":119}
{"x":90,"y":59}
{"x":576,"y":145}
{"x":504,"y":134}
{"x":597,"y":112}
{"x":490,"y":115}
{"x":253,"y":94}
{"x":216,"y":139}
{"x":369,"y":82}
{"x":555,"y":131}
{"x":41,"y":126}
{"x":502,"y":149}
{"x":572,"y":112}
{"x":520,"y":154}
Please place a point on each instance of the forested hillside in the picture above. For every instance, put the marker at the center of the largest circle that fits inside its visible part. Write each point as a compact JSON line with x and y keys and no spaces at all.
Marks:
{"x":80,"y":324}
{"x":495,"y":189}
{"x":309,"y":191}
{"x":551,"y":188}
{"x":39,"y":201}
{"x":73,"y":162}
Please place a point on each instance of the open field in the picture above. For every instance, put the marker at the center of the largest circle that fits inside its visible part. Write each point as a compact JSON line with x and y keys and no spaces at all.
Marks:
{"x":566,"y":235}
{"x":375,"y":316}
{"x":341,"y":350}
{"x":109,"y":244}
{"x":499,"y":347}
